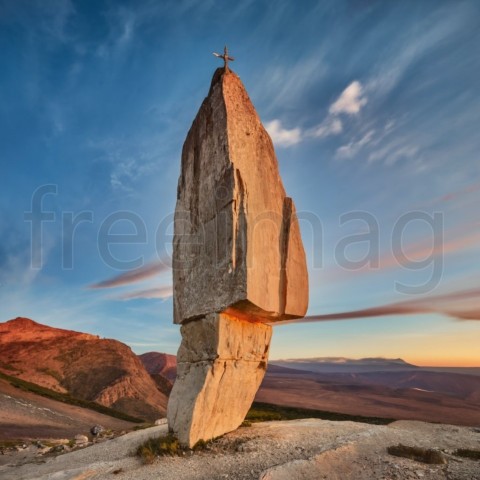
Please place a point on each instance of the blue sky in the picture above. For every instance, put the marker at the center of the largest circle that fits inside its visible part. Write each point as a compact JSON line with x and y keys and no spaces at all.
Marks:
{"x":373,"y":107}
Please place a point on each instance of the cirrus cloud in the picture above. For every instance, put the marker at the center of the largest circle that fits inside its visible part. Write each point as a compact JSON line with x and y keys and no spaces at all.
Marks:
{"x":350,"y":101}
{"x":160,"y":292}
{"x":330,"y":126}
{"x":281,"y":136}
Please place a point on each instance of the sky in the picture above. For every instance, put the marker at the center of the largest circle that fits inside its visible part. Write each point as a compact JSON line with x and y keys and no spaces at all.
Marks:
{"x":374,"y":111}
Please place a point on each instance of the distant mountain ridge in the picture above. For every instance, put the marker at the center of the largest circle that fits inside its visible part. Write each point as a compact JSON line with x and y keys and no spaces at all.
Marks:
{"x":162,"y":367}
{"x":367,"y":386}
{"x":345,"y":365}
{"x":158,"y":363}
{"x":102,"y":370}
{"x":344,"y":360}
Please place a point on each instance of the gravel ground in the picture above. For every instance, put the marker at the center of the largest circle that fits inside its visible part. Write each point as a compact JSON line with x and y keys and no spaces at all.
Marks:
{"x":308,"y":449}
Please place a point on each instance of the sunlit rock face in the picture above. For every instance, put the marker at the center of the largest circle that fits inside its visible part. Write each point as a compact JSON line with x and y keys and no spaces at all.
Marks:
{"x":221,"y":364}
{"x":238,"y":259}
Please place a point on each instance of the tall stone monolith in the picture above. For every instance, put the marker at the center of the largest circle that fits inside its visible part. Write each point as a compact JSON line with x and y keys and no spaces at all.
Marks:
{"x":238,"y":263}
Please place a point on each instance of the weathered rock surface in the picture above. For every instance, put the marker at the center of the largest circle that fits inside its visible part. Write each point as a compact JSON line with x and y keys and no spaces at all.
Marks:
{"x":238,"y":263}
{"x":237,"y":242}
{"x":221,"y":363}
{"x":309,"y":449}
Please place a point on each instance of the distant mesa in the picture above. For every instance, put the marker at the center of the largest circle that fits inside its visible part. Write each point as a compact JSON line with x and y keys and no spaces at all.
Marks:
{"x":342,"y":364}
{"x":349,"y":361}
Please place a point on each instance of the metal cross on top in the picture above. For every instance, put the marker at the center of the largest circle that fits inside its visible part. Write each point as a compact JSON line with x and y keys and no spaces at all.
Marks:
{"x":225,"y":57}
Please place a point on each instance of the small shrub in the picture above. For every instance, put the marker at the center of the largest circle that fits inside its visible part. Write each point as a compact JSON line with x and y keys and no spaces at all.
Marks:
{"x":146,"y":454}
{"x":200,"y":445}
{"x":167,"y":445}
{"x":424,"y":455}
{"x":467,"y":453}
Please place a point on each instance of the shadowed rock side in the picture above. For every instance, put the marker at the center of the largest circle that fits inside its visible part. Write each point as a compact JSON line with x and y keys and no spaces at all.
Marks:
{"x":238,"y":263}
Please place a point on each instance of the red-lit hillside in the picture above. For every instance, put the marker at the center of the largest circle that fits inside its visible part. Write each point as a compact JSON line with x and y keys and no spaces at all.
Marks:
{"x":102,"y":370}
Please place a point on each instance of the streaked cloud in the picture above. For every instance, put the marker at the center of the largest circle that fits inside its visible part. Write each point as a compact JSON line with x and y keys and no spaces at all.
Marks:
{"x":160,"y":292}
{"x":284,"y":85}
{"x":281,"y":136}
{"x":461,"y":305}
{"x":351,"y":149}
{"x":454,"y":241}
{"x":134,"y":276}
{"x":330,"y":126}
{"x":452,"y":196}
{"x":350,"y":101}
{"x":417,"y":45}
{"x":390,"y":154}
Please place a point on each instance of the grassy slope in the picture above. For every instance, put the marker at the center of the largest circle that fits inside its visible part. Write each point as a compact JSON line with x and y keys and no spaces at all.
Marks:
{"x":264,"y":412}
{"x":65,"y":398}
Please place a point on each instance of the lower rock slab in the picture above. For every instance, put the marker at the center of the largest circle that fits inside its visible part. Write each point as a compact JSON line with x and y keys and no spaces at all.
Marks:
{"x":221,"y":363}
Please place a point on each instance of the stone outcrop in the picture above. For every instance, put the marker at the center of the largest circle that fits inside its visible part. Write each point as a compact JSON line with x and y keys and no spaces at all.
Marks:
{"x":238,"y":262}
{"x":221,"y":363}
{"x":237,"y":241}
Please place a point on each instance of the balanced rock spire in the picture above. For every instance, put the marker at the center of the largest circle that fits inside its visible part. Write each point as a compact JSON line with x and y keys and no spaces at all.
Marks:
{"x":238,"y":263}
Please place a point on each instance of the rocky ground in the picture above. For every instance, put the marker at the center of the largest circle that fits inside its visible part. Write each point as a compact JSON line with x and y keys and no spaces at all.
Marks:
{"x":299,"y":449}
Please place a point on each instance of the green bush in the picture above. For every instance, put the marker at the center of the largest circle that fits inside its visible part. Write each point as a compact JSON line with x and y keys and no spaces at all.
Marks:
{"x":167,"y":445}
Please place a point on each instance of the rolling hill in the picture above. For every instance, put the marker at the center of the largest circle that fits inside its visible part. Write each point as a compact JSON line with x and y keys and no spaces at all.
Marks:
{"x":158,"y":363}
{"x":86,"y":367}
